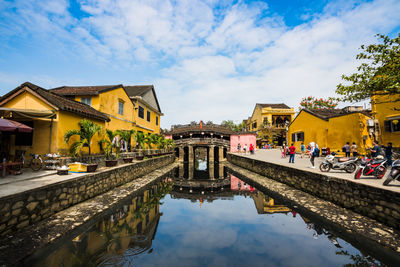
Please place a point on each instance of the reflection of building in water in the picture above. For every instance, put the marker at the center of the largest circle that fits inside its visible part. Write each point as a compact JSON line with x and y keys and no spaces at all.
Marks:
{"x":266,"y":204}
{"x":127,"y":231}
{"x":239,"y":185}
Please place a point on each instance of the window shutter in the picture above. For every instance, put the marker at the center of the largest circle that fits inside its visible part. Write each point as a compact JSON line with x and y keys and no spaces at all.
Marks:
{"x":293,"y":137}
{"x":387,"y":125}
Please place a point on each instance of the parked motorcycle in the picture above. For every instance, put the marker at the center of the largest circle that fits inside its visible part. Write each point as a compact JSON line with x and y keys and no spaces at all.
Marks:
{"x":394,"y":173}
{"x":371,"y":167}
{"x":344,"y":163}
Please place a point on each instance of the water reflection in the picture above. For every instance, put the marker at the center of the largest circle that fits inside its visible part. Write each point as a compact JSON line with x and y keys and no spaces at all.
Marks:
{"x":244,"y":230}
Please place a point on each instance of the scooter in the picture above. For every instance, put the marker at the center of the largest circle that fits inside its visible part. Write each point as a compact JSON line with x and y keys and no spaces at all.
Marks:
{"x":394,"y":173}
{"x":371,"y":167}
{"x":334,"y":163}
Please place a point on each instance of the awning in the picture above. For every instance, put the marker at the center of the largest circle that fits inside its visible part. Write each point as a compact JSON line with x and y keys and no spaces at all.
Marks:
{"x":28,"y":113}
{"x":11,"y":126}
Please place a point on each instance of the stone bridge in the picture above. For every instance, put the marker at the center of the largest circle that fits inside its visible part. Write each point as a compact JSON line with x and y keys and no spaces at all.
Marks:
{"x":189,"y":138}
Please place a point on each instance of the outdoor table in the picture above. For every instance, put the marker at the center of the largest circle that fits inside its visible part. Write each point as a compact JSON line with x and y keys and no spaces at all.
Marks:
{"x":9,"y":166}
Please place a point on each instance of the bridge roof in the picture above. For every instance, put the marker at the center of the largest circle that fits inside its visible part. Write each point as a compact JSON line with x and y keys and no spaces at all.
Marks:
{"x":206,"y":128}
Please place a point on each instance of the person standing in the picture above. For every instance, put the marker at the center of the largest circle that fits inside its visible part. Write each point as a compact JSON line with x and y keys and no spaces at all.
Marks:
{"x":346,"y":149}
{"x":292,"y":151}
{"x":376,"y":150}
{"x":251,"y":149}
{"x":238,"y":147}
{"x":388,"y":153}
{"x":353,"y":149}
{"x":303,"y":149}
{"x":245,"y":148}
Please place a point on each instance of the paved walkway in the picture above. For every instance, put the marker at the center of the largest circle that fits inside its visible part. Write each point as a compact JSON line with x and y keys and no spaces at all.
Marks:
{"x":274,"y":156}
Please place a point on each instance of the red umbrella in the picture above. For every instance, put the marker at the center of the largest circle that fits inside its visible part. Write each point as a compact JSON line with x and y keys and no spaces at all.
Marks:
{"x":10,"y":126}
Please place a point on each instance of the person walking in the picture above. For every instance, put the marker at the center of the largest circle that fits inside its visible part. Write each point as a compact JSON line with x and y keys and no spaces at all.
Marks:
{"x":283,"y":150}
{"x":251,"y":149}
{"x":245,"y":149}
{"x":346,"y":149}
{"x":238,"y":147}
{"x":388,"y":153}
{"x":292,"y":151}
{"x":302,"y":149}
{"x":353,"y":149}
{"x":312,"y":154}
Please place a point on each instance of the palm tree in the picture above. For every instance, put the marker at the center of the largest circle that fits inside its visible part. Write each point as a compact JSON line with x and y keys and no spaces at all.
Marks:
{"x":170,"y":143}
{"x":151,"y":139}
{"x":110,"y":144}
{"x":140,"y":139}
{"x":126,"y":136}
{"x":160,"y":142}
{"x":86,"y":133}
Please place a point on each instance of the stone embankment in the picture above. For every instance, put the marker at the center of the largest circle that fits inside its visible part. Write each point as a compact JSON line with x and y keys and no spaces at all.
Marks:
{"x":376,"y":203}
{"x":362,"y":232}
{"x":20,"y":210}
{"x":70,"y":222}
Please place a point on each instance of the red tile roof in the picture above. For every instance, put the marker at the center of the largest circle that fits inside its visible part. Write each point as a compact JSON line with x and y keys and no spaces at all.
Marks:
{"x":84,"y":90}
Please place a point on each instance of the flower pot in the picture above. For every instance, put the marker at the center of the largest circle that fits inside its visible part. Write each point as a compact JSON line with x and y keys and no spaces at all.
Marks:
{"x":111,"y":163}
{"x":127,"y":160}
{"x":91,"y":167}
{"x":139,"y":157}
{"x":149,"y":156}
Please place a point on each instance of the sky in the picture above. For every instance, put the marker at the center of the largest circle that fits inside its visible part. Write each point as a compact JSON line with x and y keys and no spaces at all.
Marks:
{"x":208,"y":60}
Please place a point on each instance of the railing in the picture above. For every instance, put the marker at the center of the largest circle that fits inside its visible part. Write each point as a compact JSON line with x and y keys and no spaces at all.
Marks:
{"x":207,"y":141}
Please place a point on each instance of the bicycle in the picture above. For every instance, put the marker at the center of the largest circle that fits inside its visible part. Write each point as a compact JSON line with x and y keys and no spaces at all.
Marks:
{"x":35,"y":163}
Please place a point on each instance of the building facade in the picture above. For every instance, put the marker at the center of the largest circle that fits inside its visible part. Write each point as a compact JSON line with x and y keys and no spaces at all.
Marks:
{"x":386,"y":111}
{"x":269,"y":121}
{"x":331,"y":128}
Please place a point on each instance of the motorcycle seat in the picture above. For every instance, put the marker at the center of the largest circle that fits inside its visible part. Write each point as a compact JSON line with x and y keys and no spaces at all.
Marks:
{"x":377,"y":161}
{"x":344,"y":159}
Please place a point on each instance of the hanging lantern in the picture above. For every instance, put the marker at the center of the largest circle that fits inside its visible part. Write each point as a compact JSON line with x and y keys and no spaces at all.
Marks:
{"x":395,"y":122}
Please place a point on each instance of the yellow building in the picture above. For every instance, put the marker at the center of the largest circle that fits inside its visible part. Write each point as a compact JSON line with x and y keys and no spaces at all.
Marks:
{"x":128,"y":107}
{"x":270,"y":122}
{"x":49,"y":114}
{"x":331,"y":128}
{"x":386,"y":111}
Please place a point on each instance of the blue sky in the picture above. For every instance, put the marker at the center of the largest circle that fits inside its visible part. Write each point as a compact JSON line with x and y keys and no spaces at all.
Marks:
{"x":209,"y":60}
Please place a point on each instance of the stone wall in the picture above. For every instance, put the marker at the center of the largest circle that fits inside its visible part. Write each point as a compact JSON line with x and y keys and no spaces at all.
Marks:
{"x":100,"y":158}
{"x":377,"y":203}
{"x":20,"y":210}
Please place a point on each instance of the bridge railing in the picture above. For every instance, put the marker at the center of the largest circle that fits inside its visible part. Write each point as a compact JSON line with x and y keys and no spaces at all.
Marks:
{"x":207,"y":141}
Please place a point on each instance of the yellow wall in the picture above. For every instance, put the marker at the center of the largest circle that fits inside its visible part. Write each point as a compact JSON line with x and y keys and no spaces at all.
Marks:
{"x":260,"y":113}
{"x":383,"y":107}
{"x":333,"y":133}
{"x":95,"y":100}
{"x":349,"y":128}
{"x":315,"y":129}
{"x":69,"y":121}
{"x":142,"y":124}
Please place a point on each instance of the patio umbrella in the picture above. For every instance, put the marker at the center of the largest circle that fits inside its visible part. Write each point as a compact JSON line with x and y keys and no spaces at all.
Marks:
{"x":10,"y":126}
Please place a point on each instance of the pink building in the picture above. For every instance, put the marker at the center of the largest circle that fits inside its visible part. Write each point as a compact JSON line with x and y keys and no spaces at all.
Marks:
{"x":242,"y":139}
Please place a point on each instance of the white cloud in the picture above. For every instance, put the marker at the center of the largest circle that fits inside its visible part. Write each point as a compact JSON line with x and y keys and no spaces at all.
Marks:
{"x":214,"y":60}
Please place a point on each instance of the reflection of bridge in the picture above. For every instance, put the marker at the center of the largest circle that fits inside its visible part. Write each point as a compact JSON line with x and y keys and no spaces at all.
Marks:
{"x":188,"y":138}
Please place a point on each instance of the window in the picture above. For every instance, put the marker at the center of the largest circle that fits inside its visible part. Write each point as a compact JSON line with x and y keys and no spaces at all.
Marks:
{"x":156,"y":120}
{"x":254,"y":125}
{"x":298,"y":137}
{"x":141,"y":112}
{"x":392,"y":125}
{"x":265,"y":121}
{"x":86,"y":100}
{"x":148,"y":115}
{"x":121,"y":108}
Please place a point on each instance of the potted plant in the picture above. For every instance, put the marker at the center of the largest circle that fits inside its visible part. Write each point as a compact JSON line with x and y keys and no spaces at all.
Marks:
{"x":150,"y":140}
{"x":110,"y":144}
{"x":87,"y":130}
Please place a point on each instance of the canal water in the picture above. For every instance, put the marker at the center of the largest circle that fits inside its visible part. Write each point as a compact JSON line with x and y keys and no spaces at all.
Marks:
{"x":187,"y":221}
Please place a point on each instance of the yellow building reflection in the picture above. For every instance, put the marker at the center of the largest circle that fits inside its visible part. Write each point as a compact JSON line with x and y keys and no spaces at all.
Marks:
{"x":265,"y":204}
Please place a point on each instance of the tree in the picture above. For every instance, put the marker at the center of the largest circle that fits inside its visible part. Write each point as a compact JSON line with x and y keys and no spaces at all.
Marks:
{"x":379,"y":74}
{"x":86,"y":133}
{"x":110,"y":144}
{"x":126,"y":135}
{"x":311,"y":102}
{"x":234,"y":127}
{"x":150,"y":139}
{"x":140,"y":139}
